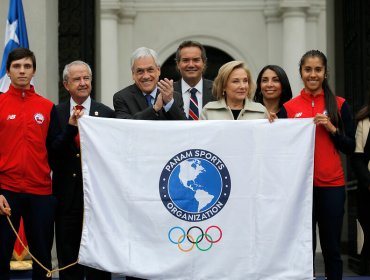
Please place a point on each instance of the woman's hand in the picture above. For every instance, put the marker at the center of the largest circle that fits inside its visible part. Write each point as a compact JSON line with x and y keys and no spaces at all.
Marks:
{"x":271,"y":116}
{"x":324,"y":120}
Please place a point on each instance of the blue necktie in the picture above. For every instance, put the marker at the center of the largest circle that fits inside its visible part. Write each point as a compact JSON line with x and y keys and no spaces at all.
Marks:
{"x":193,"y":106}
{"x":149,"y":100}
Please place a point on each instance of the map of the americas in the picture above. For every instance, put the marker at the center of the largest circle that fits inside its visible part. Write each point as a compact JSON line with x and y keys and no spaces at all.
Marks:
{"x":195,"y":185}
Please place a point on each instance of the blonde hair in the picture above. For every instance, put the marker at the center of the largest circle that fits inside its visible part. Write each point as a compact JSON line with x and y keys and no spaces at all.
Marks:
{"x":223,"y":75}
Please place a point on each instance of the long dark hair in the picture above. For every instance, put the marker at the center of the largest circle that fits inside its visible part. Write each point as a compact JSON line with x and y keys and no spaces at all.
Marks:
{"x":364,"y":111}
{"x":286,"y":91}
{"x":331,"y":105}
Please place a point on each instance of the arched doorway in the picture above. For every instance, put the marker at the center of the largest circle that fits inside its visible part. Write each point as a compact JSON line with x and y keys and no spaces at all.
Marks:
{"x":216,"y":58}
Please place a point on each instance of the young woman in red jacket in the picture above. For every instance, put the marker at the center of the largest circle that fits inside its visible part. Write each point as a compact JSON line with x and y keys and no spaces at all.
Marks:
{"x":334,"y":134}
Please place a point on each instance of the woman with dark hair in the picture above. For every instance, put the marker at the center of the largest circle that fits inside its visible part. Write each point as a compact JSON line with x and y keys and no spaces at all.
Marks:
{"x":361,"y":167}
{"x":334,"y":133}
{"x":273,"y":88}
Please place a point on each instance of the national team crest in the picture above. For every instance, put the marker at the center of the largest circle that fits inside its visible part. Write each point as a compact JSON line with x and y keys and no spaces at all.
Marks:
{"x":39,"y":118}
{"x":195,"y":185}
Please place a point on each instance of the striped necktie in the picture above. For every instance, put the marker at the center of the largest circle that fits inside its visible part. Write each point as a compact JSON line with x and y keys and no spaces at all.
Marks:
{"x":193,"y":106}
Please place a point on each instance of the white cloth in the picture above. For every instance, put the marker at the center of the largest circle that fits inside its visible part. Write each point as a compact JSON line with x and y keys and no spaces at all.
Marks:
{"x":265,"y":222}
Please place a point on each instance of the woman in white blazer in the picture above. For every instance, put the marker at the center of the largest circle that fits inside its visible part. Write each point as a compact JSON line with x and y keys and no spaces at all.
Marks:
{"x":361,"y":166}
{"x":233,"y":89}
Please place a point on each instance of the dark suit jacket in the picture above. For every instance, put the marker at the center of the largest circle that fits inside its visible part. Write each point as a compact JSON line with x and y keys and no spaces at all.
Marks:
{"x":130,"y":103}
{"x":206,"y":94}
{"x":67,"y":177}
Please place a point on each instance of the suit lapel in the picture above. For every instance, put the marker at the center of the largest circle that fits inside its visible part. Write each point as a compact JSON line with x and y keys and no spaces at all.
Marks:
{"x":65,"y":113}
{"x":139,"y":98}
{"x":94,"y":109}
{"x":207,"y":92}
{"x":177,"y":87}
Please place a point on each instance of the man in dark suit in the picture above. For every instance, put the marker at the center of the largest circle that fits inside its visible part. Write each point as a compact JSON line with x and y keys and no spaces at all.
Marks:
{"x":67,"y":175}
{"x":148,"y":98}
{"x":191,"y":61}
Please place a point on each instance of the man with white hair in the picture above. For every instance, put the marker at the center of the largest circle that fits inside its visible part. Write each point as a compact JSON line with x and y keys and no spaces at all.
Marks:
{"x":148,"y":98}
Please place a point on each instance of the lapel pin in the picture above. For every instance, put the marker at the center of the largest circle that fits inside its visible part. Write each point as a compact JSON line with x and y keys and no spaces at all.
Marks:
{"x":96,"y":113}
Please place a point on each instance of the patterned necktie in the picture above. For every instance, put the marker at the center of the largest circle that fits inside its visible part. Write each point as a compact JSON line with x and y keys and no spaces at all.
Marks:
{"x":77,"y":137}
{"x":193,"y":106}
{"x":149,"y":100}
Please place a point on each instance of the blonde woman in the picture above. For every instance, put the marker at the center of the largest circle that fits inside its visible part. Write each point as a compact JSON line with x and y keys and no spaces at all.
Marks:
{"x":233,"y":89}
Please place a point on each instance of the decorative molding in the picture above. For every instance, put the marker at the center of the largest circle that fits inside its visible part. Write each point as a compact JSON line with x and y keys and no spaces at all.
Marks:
{"x":128,"y":12}
{"x":110,"y":5}
{"x":194,"y":5}
{"x":274,"y":10}
{"x":293,"y":4}
{"x":272,"y":14}
{"x":313,"y":13}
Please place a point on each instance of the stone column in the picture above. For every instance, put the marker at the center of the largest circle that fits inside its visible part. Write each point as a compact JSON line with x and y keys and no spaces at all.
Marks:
{"x":274,"y":34}
{"x":294,"y":39}
{"x":109,"y":62}
{"x":312,"y":26}
{"x":126,"y":44}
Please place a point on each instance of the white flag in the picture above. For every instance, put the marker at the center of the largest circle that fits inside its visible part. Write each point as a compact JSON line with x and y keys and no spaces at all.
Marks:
{"x":198,"y":200}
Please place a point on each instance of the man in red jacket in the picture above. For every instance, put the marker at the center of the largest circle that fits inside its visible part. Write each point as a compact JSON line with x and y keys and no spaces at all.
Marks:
{"x":29,"y":128}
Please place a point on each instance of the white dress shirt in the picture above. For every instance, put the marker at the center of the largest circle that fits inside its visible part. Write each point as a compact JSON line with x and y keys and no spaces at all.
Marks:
{"x":86,"y":104}
{"x":186,"y":95}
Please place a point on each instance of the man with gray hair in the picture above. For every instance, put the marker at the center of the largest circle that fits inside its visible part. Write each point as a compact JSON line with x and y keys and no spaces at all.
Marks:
{"x":67,"y":174}
{"x":148,"y":98}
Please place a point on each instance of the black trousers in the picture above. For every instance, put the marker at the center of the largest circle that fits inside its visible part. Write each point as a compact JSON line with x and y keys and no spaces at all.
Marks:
{"x":363,"y":215}
{"x":328,"y":212}
{"x":68,"y":230}
{"x":37,"y":212}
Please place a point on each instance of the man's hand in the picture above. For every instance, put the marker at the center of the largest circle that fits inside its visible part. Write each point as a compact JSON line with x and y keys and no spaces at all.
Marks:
{"x":158,"y":103}
{"x":4,"y":206}
{"x":75,"y":116}
{"x":166,"y":88}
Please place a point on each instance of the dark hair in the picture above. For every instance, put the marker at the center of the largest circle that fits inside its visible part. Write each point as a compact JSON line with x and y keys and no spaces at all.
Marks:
{"x":187,"y":44}
{"x":331,"y":105}
{"x":20,"y":53}
{"x":286,"y":91}
{"x":364,"y":111}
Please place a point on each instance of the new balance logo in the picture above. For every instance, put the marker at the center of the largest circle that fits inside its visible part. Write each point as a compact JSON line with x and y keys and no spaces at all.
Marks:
{"x":11,"y":117}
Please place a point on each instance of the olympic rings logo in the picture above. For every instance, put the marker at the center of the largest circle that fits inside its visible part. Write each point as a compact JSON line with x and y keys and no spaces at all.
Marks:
{"x":177,"y":236}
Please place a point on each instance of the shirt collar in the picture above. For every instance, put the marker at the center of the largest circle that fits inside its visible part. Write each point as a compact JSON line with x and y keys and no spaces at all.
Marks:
{"x":185,"y":87}
{"x":86,"y":104}
{"x":153,"y":93}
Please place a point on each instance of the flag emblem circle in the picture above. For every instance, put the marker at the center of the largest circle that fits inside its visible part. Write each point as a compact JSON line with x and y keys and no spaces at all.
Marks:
{"x":39,"y":118}
{"x":195,"y":185}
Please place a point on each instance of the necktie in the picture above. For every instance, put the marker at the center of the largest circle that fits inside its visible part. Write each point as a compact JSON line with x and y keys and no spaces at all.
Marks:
{"x":79,"y":107}
{"x":193,"y":106}
{"x":77,"y":137}
{"x":149,"y":100}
